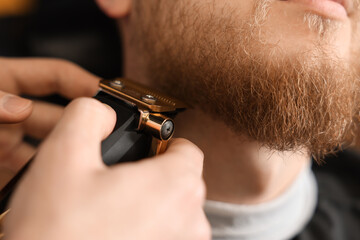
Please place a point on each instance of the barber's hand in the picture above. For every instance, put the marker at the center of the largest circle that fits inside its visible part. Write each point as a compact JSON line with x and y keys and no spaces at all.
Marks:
{"x":19,"y":116}
{"x":68,"y":193}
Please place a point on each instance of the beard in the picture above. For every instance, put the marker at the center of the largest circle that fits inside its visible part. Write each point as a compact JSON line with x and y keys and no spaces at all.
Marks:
{"x":283,"y":101}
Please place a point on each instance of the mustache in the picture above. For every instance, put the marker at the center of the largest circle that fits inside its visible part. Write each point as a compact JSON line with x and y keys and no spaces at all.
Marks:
{"x":316,"y":23}
{"x":261,"y":7}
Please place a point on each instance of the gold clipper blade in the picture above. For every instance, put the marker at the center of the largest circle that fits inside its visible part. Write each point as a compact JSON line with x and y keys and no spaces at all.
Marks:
{"x":141,"y":96}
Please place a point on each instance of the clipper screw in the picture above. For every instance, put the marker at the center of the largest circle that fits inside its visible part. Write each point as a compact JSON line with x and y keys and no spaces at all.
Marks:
{"x":117,"y":84}
{"x":167,"y":129}
{"x":150,"y":99}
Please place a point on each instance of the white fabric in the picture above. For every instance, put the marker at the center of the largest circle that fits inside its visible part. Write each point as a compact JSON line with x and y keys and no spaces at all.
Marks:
{"x":280,"y":219}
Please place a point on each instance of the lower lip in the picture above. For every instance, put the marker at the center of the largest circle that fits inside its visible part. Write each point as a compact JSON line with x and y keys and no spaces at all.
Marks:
{"x":326,"y":8}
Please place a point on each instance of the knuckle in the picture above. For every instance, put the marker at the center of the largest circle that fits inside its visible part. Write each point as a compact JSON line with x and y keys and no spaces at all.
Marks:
{"x":201,"y":191}
{"x":63,"y":64}
{"x":189,"y":152}
{"x":203,"y":231}
{"x":189,"y":185}
{"x":191,"y":188}
{"x":9,"y":138}
{"x":68,"y":68}
{"x":64,"y":68}
{"x":190,"y":149}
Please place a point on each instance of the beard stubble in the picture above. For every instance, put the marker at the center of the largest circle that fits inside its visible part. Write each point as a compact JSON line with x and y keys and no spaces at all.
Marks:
{"x":212,"y":60}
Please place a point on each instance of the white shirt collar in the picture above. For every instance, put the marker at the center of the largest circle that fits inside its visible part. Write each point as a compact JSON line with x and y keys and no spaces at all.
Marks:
{"x":282,"y":218}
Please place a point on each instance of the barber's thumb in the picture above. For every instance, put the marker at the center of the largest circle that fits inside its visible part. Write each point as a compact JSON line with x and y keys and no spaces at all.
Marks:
{"x":85,"y":119}
{"x":14,"y":109}
{"x":78,"y":135}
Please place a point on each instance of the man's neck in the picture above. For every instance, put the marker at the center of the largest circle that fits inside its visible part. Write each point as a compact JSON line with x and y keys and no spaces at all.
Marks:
{"x":235,"y":170}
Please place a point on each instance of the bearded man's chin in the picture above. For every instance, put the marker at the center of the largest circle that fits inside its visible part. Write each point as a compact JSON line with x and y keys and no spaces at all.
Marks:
{"x":285,"y":106}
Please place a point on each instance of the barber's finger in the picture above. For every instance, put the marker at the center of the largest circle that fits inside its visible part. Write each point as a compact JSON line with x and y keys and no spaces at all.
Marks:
{"x":76,"y":139}
{"x":13,"y":109}
{"x":41,"y":76}
{"x":183,"y":154}
{"x":14,"y":162}
{"x":43,"y":119}
{"x":11,"y":163}
{"x":11,"y":136}
{"x":20,"y":155}
{"x":200,"y":227}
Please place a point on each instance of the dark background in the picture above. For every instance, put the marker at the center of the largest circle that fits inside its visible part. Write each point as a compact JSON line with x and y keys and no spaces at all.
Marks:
{"x":75,"y":30}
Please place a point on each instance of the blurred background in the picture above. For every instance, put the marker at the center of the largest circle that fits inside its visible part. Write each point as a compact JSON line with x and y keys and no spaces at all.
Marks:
{"x":75,"y":30}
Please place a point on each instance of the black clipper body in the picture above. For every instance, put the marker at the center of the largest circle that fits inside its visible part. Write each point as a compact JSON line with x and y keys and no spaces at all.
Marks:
{"x":125,"y":144}
{"x":144,"y":120}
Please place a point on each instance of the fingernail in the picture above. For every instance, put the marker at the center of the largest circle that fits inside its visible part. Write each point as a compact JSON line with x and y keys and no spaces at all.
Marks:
{"x":15,"y":104}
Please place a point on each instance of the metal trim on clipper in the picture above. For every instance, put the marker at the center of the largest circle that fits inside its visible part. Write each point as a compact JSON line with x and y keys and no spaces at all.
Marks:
{"x":153,"y":107}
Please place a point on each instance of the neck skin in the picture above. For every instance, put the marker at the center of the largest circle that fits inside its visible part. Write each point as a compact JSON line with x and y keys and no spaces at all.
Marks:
{"x":235,"y":170}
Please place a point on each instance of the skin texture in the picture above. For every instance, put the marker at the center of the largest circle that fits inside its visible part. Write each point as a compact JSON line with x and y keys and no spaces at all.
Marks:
{"x":283,"y":100}
{"x":67,"y":188}
{"x":37,"y":77}
{"x":270,"y":81}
